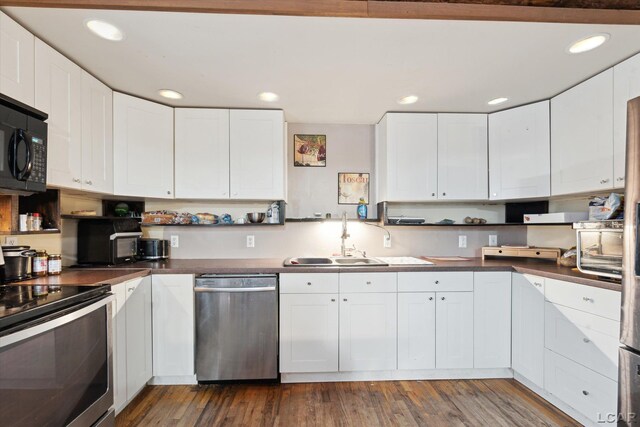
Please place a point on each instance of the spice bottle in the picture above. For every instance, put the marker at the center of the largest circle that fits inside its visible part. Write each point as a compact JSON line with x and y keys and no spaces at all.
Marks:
{"x":37,"y":222}
{"x":39,"y":265}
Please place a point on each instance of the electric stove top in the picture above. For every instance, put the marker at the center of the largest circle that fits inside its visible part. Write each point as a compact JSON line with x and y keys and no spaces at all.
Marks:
{"x":18,"y":305}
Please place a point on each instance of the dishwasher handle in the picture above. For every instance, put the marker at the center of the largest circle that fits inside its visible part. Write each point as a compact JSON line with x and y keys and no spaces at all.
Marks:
{"x":261,"y":289}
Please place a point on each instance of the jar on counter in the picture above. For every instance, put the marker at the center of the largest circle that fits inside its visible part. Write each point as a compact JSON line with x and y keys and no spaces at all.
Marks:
{"x":54,"y":265}
{"x":39,"y":263}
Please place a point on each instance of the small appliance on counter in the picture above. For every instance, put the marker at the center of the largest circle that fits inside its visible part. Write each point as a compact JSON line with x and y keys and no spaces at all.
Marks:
{"x":153,"y":249}
{"x":16,"y":263}
{"x":599,"y":247}
{"x":108,"y":241}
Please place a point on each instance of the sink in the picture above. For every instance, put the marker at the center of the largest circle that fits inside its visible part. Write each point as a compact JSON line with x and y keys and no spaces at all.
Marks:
{"x":334,"y":262}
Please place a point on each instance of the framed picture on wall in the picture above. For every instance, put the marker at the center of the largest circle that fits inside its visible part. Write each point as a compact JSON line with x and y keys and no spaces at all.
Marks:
{"x":351,"y":187}
{"x":310,"y":151}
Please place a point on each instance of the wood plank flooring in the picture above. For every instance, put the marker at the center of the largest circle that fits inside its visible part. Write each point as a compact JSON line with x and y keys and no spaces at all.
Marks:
{"x":386,"y":403}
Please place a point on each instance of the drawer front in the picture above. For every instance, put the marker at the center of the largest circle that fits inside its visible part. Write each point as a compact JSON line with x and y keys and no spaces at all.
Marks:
{"x":538,"y":254}
{"x":582,"y":337}
{"x":593,"y":395}
{"x":368,"y":282}
{"x":309,"y":283}
{"x":602,"y":302}
{"x":435,"y":281}
{"x":500,"y":252}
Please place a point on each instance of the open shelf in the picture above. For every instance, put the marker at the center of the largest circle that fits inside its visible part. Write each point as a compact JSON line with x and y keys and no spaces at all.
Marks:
{"x":68,"y":216}
{"x":330,"y":219}
{"x":248,"y":224}
{"x":507,"y":224}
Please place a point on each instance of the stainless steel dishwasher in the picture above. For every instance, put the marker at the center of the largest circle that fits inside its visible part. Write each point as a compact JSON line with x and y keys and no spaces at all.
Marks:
{"x":236,"y":327}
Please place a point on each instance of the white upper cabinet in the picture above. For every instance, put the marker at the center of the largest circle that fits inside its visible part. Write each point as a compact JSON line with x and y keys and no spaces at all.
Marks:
{"x":257,"y":155}
{"x":58,"y":92}
{"x":142,"y":147}
{"x":97,"y":135}
{"x":519,"y":153}
{"x":626,"y":86}
{"x":407,"y":157}
{"x":16,"y":61}
{"x":202,"y":153}
{"x":462,"y":157}
{"x":582,"y":137}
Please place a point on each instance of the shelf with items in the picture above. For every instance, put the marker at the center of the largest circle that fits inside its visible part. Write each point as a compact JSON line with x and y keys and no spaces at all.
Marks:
{"x":47,"y":204}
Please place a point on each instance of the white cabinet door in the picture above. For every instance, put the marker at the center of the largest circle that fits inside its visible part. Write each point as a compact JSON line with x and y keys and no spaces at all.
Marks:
{"x":519,"y":152}
{"x":58,"y":93}
{"x":119,"y":335}
{"x":257,"y":154}
{"x":16,"y":61}
{"x":308,"y":332}
{"x":462,"y":157}
{"x":173,"y":325}
{"x":492,"y":320}
{"x":582,"y":137}
{"x":368,"y":331}
{"x":138,"y":334}
{"x":202,"y":153}
{"x":528,"y":327}
{"x":142,"y":147}
{"x":454,"y":330}
{"x":626,"y":86}
{"x":97,"y":135}
{"x":408,"y":150}
{"x":417,"y":330}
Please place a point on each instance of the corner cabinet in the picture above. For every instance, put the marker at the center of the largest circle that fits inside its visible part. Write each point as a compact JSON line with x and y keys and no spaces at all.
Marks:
{"x":17,"y":66}
{"x":142,"y":148}
{"x":626,"y":86}
{"x":519,"y":153}
{"x":582,"y":137}
{"x":257,"y":155}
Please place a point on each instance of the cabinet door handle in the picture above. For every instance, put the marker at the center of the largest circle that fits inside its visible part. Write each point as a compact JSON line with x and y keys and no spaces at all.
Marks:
{"x":308,"y":283}
{"x":344,"y":299}
{"x":436,"y":282}
{"x":433,"y":194}
{"x":604,"y":181}
{"x":442,"y":298}
{"x":430,"y":298}
{"x":444,"y":194}
{"x":77,"y":180}
{"x":587,"y":299}
{"x":88,"y":181}
{"x":537,"y":284}
{"x":129,"y":289}
{"x":333,"y":300}
{"x":368,"y":283}
{"x":620,"y":178}
{"x":585,"y":392}
{"x":586,"y":340}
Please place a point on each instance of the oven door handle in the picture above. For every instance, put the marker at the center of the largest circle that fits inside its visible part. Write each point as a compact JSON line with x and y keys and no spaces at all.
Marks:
{"x":54,"y":323}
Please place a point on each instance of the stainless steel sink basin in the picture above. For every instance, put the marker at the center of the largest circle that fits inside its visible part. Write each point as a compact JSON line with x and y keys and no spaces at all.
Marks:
{"x":334,"y":262}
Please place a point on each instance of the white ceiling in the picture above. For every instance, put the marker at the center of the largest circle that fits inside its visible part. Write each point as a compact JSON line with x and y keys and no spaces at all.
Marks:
{"x":329,"y":70}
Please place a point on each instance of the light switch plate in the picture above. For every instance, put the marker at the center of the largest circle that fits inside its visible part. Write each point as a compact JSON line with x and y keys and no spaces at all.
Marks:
{"x":493,"y":240}
{"x":251,"y":241}
{"x":462,"y":241}
{"x":175,"y":241}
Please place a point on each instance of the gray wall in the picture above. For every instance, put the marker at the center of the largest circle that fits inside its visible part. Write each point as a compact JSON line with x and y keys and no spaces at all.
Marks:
{"x":350,"y":148}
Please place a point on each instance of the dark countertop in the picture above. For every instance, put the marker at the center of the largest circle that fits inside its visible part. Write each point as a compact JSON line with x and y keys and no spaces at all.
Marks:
{"x":119,"y":274}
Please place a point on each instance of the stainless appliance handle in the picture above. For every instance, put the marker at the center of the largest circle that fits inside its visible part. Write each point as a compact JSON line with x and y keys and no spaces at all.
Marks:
{"x":114,"y":236}
{"x":261,"y":289}
{"x":55,"y":323}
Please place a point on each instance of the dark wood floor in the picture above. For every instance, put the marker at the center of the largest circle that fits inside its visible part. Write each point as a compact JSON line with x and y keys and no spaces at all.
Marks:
{"x":386,"y":403}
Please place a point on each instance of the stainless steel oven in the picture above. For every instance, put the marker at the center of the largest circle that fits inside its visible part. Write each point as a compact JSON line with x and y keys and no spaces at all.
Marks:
{"x":56,"y":369}
{"x":599,"y":247}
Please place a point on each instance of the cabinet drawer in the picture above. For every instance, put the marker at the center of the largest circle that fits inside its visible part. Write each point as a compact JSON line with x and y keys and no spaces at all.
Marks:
{"x":582,"y":337}
{"x":602,"y":302}
{"x":435,"y":281}
{"x":309,"y":283}
{"x":593,"y":395}
{"x":368,"y":282}
{"x":500,"y":252}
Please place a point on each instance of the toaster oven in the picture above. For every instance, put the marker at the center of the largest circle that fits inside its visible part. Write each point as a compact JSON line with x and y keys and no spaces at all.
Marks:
{"x":599,"y":247}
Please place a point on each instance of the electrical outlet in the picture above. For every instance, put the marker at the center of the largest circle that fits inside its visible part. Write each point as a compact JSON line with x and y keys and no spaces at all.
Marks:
{"x":251,"y":241}
{"x":11,"y":241}
{"x":493,"y":240}
{"x":387,"y":241}
{"x":175,"y":241}
{"x":462,"y":241}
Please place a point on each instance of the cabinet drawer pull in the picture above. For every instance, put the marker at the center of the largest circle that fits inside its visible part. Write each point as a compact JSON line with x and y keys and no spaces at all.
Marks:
{"x":604,"y":181}
{"x":442,"y":298}
{"x":433,"y":194}
{"x":368,"y":283}
{"x":308,"y":283}
{"x":444,"y":194}
{"x":537,"y":284}
{"x":168,"y":192}
{"x":587,"y":299}
{"x":88,"y":181}
{"x":430,"y":298}
{"x":586,"y":340}
{"x":436,"y":282}
{"x":620,"y":178}
{"x":77,"y":180}
{"x":333,"y":300}
{"x":585,"y":392}
{"x":344,"y":299}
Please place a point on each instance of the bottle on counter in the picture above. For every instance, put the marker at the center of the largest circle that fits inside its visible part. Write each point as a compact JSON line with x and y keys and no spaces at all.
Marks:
{"x":362,"y":209}
{"x":39,"y":263}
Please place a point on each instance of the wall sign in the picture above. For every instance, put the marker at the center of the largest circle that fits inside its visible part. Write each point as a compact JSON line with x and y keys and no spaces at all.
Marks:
{"x":352,"y":187}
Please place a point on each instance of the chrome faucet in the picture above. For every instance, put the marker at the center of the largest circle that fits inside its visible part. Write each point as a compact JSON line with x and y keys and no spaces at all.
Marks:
{"x":345,"y":235}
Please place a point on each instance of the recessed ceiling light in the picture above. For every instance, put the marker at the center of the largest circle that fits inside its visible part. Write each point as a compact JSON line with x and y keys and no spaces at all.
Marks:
{"x":171,"y":94}
{"x":268,"y":96}
{"x":105,"y":30}
{"x":409,"y":99}
{"x":497,"y":101}
{"x":588,"y":43}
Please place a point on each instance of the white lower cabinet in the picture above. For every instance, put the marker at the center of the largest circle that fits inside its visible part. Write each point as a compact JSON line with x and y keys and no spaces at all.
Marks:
{"x":492,"y":320}
{"x":132,"y":339}
{"x":309,"y":332}
{"x":528,"y":327}
{"x":454,"y":330}
{"x":417,"y":330}
{"x":368,"y":331}
{"x":173,"y":327}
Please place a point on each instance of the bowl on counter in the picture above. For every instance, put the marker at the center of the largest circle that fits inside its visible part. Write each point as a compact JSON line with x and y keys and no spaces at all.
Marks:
{"x":256,"y":217}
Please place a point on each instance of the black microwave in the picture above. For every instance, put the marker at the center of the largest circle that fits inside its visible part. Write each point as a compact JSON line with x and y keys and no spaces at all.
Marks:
{"x":23,"y":147}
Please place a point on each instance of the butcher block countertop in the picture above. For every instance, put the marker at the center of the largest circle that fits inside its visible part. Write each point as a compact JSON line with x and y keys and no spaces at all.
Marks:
{"x":119,"y":274}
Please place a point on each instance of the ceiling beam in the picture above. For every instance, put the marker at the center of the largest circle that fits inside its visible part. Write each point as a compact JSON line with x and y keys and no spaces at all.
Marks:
{"x":568,"y":11}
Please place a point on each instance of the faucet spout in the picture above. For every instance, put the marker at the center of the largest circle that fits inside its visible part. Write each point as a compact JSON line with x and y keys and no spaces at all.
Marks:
{"x":345,"y":235}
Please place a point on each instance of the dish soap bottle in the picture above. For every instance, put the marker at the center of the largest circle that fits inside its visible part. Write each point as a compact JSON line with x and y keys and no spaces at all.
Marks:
{"x":362,"y":209}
